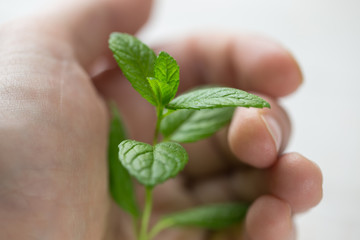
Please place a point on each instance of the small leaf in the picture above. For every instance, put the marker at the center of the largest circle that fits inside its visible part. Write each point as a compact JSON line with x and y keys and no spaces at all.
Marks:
{"x":152,"y":165}
{"x":186,"y":126}
{"x":217,"y":97}
{"x":157,"y":88}
{"x":120,"y":183}
{"x":136,"y":61}
{"x":210,"y":217}
{"x":167,"y":73}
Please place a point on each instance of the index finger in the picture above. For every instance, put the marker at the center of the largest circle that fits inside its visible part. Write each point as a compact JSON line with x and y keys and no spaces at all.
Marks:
{"x":248,"y":62}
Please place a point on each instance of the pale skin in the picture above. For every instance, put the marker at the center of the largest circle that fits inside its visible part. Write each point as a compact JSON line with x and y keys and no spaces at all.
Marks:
{"x":54,"y":124}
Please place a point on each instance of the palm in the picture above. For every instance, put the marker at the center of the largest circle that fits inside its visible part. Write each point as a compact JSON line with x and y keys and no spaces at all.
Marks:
{"x":73,"y":166}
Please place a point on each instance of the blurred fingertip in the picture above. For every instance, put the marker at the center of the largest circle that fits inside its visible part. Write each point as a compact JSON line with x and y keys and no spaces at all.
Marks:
{"x":251,"y":139}
{"x":269,"y":218}
{"x":297,"y":180}
{"x":270,"y":68}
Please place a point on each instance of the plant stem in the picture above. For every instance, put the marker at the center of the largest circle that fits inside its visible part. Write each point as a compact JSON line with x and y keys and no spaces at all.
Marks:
{"x":148,"y":190}
{"x":146,"y":214}
{"x":159,"y":114}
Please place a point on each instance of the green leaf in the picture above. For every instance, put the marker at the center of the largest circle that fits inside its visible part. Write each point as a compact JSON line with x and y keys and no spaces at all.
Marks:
{"x":212,"y":217}
{"x":136,"y":61}
{"x":157,"y":87}
{"x":152,"y":165}
{"x":217,"y":97}
{"x":120,"y":183}
{"x":192,"y":125}
{"x":167,"y":73}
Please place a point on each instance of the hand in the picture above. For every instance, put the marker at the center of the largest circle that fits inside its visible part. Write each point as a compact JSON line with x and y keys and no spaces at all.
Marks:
{"x":54,"y":123}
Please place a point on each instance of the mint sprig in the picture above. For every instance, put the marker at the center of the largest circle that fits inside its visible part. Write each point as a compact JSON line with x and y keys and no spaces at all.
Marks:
{"x":189,"y":117}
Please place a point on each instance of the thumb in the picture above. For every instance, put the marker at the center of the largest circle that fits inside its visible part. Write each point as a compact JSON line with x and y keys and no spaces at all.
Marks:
{"x":86,"y":24}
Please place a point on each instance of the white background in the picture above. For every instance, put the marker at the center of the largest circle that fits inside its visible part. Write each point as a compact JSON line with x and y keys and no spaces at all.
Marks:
{"x":324,"y":35}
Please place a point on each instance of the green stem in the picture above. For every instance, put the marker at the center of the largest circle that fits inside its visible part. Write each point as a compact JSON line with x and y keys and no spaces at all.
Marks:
{"x":146,"y":214}
{"x":148,"y":195}
{"x":159,"y":114}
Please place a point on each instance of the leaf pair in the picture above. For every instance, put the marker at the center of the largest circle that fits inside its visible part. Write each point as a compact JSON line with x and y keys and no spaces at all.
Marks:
{"x":122,"y":190}
{"x":204,"y":111}
{"x":155,"y":78}
{"x":166,"y":81}
{"x":152,"y":165}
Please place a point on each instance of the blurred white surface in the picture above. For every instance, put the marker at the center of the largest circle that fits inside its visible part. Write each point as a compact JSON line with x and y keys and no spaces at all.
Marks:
{"x":324,"y":36}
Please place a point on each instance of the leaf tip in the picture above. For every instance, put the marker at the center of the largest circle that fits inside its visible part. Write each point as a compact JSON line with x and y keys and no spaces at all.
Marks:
{"x":266,"y":105}
{"x":163,"y":53}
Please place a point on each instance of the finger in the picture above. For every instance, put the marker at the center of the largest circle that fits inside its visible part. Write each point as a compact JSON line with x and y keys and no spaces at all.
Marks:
{"x":234,"y":232}
{"x":269,"y":218}
{"x":293,"y":178}
{"x":256,"y":136}
{"x":251,"y":63}
{"x":241,"y":185}
{"x":85,"y":25}
{"x":296,"y":180}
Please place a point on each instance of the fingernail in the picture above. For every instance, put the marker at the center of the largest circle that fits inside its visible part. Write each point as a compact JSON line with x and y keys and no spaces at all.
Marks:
{"x":274,"y":129}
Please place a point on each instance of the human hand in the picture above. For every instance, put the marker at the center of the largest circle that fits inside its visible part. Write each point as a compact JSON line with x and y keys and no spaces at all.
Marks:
{"x":54,"y":129}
